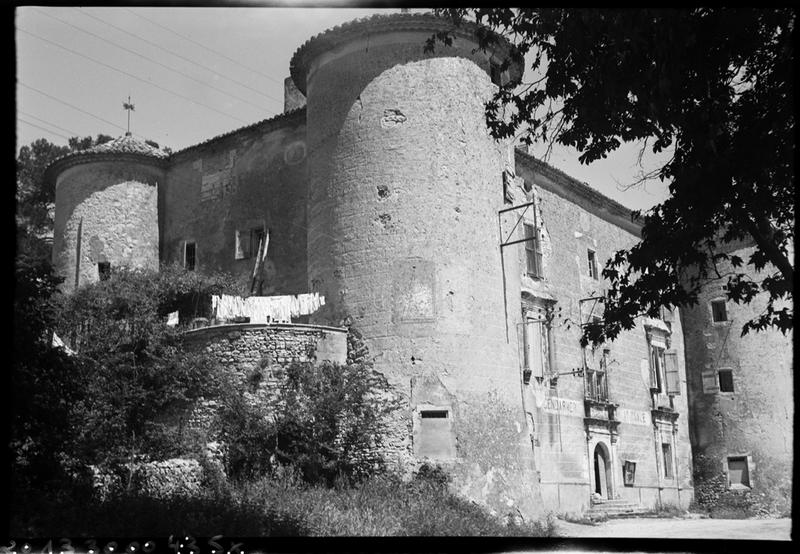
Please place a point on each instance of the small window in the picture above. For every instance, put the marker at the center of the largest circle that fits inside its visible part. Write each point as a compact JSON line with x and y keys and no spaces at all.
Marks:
{"x":189,"y":255}
{"x":718,"y":310}
{"x":629,"y":473}
{"x":666,"y":449}
{"x":738,"y":472}
{"x":104,"y":270}
{"x":592,"y":255}
{"x":495,"y":74}
{"x":725,"y":380}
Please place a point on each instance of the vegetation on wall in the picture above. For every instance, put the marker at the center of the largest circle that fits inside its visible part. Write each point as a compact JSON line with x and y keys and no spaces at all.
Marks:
{"x":712,"y":86}
{"x":327,"y":422}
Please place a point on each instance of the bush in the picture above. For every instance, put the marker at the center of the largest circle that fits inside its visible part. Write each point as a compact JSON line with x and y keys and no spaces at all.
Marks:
{"x":327,"y":420}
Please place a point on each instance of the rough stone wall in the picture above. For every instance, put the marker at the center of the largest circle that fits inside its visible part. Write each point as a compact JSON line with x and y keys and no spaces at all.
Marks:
{"x":105,"y":212}
{"x":564,"y":452}
{"x":405,"y":183}
{"x":246,"y":348}
{"x":176,"y":477}
{"x":247,"y":180}
{"x":756,"y":419}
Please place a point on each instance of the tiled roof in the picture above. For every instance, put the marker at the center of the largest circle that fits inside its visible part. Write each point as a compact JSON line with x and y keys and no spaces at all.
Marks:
{"x":377,"y":23}
{"x":125,"y":146}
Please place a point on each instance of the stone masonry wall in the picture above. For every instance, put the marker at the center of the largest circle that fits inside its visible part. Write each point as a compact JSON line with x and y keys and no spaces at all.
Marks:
{"x":105,"y":212}
{"x":564,"y":452}
{"x":405,"y":183}
{"x":754,"y":420}
{"x":252,"y":179}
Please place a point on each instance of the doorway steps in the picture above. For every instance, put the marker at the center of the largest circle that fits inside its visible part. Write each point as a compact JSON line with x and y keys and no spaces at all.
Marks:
{"x":617,"y":508}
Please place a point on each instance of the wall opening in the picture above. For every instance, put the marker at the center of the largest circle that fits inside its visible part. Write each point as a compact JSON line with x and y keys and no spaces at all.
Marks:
{"x":725,"y":380}
{"x":738,"y":472}
{"x":602,"y":472}
{"x":434,"y":436}
{"x":104,"y":271}
{"x":189,"y":256}
{"x":719,"y":311}
{"x":666,"y":451}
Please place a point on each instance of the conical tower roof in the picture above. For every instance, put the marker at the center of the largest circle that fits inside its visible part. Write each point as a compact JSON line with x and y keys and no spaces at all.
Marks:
{"x":124,"y":148}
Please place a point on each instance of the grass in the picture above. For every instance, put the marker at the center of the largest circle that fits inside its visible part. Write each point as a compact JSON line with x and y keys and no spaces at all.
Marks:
{"x":379,"y":506}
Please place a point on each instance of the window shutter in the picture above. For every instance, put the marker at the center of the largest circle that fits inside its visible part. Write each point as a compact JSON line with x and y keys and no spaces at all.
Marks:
{"x":673,"y":374}
{"x":242,"y":245}
{"x":536,"y":352}
{"x":710,"y":382}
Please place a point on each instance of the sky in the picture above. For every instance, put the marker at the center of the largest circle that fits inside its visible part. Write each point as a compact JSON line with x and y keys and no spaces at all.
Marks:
{"x":195,"y":73}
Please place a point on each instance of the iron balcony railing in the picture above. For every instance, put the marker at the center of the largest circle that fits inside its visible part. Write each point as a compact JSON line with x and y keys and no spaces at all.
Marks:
{"x":596,"y":385}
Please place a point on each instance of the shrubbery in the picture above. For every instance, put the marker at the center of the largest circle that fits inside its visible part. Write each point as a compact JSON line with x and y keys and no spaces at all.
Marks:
{"x":328,"y":421}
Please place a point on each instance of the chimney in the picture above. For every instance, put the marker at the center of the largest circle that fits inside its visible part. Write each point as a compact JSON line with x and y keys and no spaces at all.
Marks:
{"x":292,"y":97}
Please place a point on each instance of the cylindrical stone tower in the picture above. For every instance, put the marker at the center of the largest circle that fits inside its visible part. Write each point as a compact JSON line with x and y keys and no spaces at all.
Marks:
{"x":405,"y":183}
{"x":106,"y":210}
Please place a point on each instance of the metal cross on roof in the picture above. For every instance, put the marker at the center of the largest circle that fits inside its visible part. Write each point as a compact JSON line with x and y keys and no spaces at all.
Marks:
{"x":128,"y":106}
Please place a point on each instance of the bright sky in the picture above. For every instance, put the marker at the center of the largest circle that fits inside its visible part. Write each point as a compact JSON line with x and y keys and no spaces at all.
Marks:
{"x":194,"y":73}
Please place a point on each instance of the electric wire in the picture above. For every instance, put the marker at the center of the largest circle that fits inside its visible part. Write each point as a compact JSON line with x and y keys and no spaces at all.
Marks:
{"x":204,"y":83}
{"x":48,"y":123}
{"x":42,"y":128}
{"x":132,"y":75}
{"x":71,"y":106}
{"x":203,"y":46}
{"x":201,"y":66}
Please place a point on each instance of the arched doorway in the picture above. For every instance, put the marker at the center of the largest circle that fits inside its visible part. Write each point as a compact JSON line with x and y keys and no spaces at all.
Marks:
{"x":602,"y":471}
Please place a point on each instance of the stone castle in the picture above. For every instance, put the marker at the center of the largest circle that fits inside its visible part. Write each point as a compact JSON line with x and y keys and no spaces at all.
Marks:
{"x":467,"y":266}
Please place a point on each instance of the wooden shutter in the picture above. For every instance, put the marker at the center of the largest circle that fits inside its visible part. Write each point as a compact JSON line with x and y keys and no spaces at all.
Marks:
{"x":242,"y":245}
{"x":710,"y":385}
{"x":672,"y":373}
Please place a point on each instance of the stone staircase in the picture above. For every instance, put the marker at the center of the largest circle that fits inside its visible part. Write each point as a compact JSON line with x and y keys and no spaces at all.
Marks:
{"x":617,"y":508}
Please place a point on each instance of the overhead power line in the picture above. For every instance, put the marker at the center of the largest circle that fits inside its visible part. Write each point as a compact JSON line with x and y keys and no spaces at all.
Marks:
{"x":132,"y":76}
{"x":204,"y":83}
{"x":48,"y":123}
{"x":201,"y":45}
{"x":201,"y":66}
{"x":43,"y":128}
{"x":71,"y":106}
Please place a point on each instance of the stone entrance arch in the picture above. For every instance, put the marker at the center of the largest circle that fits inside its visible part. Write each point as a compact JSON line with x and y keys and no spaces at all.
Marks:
{"x":602,"y":471}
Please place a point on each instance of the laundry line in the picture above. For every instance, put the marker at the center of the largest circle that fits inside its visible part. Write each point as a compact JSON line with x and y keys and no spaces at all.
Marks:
{"x":266,"y":309}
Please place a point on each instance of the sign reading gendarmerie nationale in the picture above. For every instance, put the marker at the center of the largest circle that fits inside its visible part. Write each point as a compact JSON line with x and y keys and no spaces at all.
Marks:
{"x":633,"y":417}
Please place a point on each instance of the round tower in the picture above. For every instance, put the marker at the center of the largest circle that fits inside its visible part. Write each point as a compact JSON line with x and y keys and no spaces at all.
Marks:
{"x":405,"y":184}
{"x":740,"y":394}
{"x":106,"y":210}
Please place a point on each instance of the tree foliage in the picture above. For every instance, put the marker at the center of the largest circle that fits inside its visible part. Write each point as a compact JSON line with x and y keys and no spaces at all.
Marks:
{"x":118,"y":393}
{"x":713,"y":86}
{"x":35,"y":197}
{"x":328,"y":421}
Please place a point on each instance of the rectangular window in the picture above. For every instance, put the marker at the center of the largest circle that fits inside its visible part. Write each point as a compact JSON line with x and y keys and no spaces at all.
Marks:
{"x":104,"y":271}
{"x":672,"y":377}
{"x":666,"y":449}
{"x":189,"y":255}
{"x":725,"y":380}
{"x":629,"y":473}
{"x":738,"y":472}
{"x":536,"y":349}
{"x":592,"y":255}
{"x":718,"y":310}
{"x":533,"y":251}
{"x":434,"y":438}
{"x":657,"y":363}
